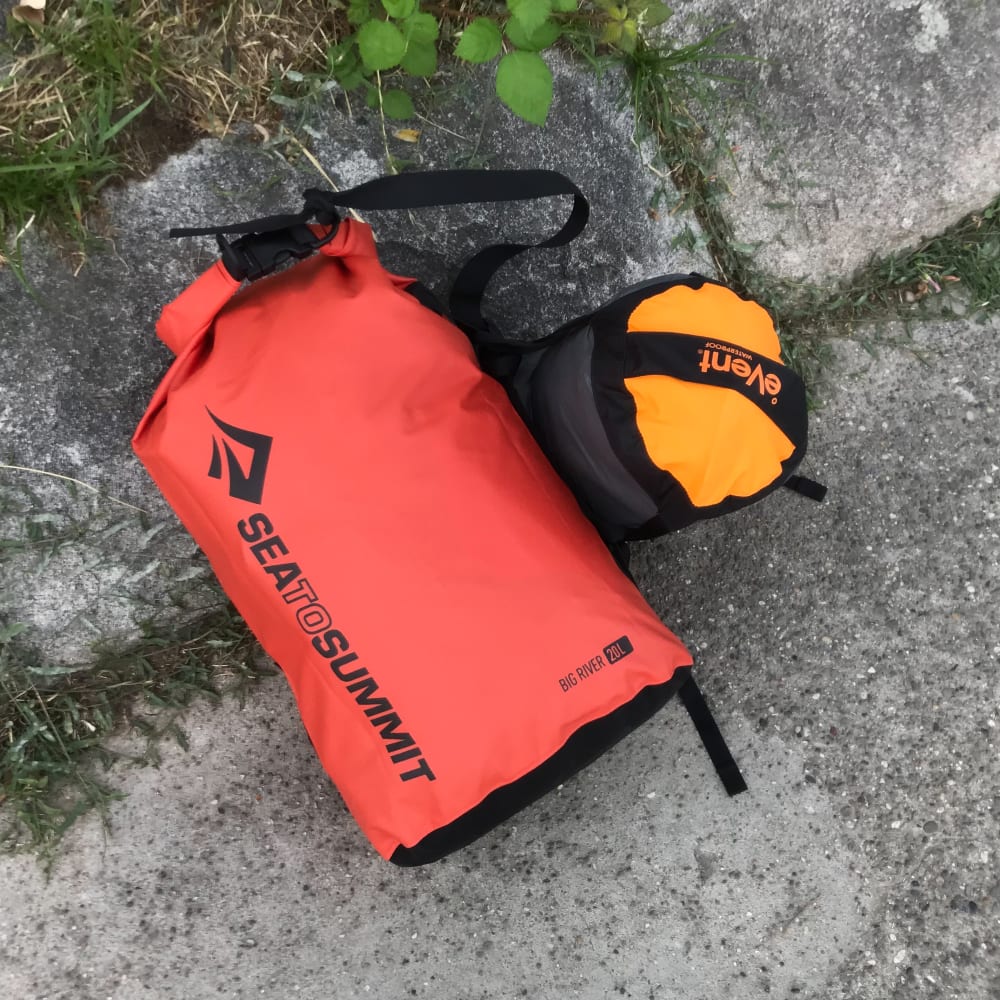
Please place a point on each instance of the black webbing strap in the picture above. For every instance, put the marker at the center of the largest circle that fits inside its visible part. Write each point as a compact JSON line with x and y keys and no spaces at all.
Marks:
{"x":807,"y":487}
{"x":421,"y":190}
{"x":712,"y":739}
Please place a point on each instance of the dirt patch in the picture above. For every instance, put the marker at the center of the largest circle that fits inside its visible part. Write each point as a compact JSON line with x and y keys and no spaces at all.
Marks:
{"x":157,"y":134}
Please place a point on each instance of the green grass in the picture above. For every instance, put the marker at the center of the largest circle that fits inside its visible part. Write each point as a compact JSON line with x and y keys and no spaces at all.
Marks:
{"x":956,"y":273}
{"x":55,"y":719}
{"x":69,"y":92}
{"x":107,"y":88}
{"x":55,"y":725}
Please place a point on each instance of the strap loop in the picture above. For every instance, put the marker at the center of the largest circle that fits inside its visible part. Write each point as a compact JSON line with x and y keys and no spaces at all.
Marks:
{"x":712,"y":739}
{"x":258,"y":254}
{"x":253,"y":257}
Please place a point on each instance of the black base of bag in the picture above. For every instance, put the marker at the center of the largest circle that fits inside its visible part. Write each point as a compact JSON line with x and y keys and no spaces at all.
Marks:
{"x":582,"y":748}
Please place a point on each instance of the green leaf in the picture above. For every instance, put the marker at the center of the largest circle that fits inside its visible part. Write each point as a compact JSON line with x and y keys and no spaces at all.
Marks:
{"x":8,"y":633}
{"x":611,"y":34}
{"x":381,"y":44}
{"x":124,"y":122}
{"x":399,"y":8}
{"x":397,"y":104}
{"x":541,"y":38}
{"x":359,"y":12}
{"x":650,"y":13}
{"x":524,"y":84}
{"x":353,"y":78}
{"x":530,"y":14}
{"x":480,"y":42}
{"x":630,"y":36}
{"x":564,"y":6}
{"x":420,"y":59}
{"x":421,"y":28}
{"x":345,"y":64}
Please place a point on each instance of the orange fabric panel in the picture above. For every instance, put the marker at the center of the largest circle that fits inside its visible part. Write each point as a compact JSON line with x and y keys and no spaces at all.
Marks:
{"x":711,"y":311}
{"x":413,"y":563}
{"x":713,"y":441}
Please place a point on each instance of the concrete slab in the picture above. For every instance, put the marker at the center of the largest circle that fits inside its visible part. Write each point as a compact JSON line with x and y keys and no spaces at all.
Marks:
{"x":850,"y":650}
{"x":870,"y":125}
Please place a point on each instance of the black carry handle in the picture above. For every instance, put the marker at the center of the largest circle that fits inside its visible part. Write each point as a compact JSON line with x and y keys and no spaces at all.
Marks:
{"x":268,"y":241}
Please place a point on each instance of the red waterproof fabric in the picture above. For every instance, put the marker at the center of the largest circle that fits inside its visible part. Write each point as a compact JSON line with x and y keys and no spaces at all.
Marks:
{"x":392,"y":534}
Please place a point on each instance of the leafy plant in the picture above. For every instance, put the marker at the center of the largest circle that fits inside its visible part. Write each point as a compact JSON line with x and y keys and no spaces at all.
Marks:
{"x":404,"y":36}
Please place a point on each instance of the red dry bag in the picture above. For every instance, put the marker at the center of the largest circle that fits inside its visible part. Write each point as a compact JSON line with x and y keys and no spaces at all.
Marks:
{"x":458,"y":638}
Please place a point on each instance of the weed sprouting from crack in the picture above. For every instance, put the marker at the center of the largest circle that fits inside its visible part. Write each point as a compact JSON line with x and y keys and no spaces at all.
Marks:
{"x":677,"y":104}
{"x":55,"y":721}
{"x":106,"y":90}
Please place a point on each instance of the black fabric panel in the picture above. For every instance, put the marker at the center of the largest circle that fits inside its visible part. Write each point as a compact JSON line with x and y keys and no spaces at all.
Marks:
{"x":618,"y":413}
{"x":583,"y":747}
{"x":425,"y":297}
{"x":568,"y":427}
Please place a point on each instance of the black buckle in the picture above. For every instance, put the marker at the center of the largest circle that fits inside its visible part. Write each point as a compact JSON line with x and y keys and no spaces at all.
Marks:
{"x":258,"y":254}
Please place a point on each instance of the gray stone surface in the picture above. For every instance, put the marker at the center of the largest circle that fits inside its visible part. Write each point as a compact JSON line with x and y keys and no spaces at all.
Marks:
{"x":871,"y":125}
{"x":849,"y":648}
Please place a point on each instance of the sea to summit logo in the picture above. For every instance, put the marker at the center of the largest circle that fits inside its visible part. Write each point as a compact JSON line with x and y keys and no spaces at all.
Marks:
{"x":726,"y":358}
{"x":247,"y":465}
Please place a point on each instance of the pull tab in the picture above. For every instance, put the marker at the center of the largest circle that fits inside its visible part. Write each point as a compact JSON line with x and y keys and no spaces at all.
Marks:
{"x":806,"y":487}
{"x":712,"y":739}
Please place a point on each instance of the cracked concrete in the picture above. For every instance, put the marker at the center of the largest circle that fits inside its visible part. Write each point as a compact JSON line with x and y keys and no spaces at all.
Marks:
{"x":849,"y":648}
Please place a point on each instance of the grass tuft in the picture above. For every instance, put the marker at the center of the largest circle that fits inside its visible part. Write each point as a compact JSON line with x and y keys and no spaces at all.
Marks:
{"x":677,"y":103}
{"x":108,"y":88}
{"x":55,"y":721}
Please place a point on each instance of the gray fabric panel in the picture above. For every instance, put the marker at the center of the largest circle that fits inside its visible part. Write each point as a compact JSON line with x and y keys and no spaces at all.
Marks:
{"x":567,"y":424}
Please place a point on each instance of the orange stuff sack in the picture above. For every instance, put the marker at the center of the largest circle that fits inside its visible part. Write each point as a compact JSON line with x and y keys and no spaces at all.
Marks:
{"x":457,"y":636}
{"x":668,"y":405}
